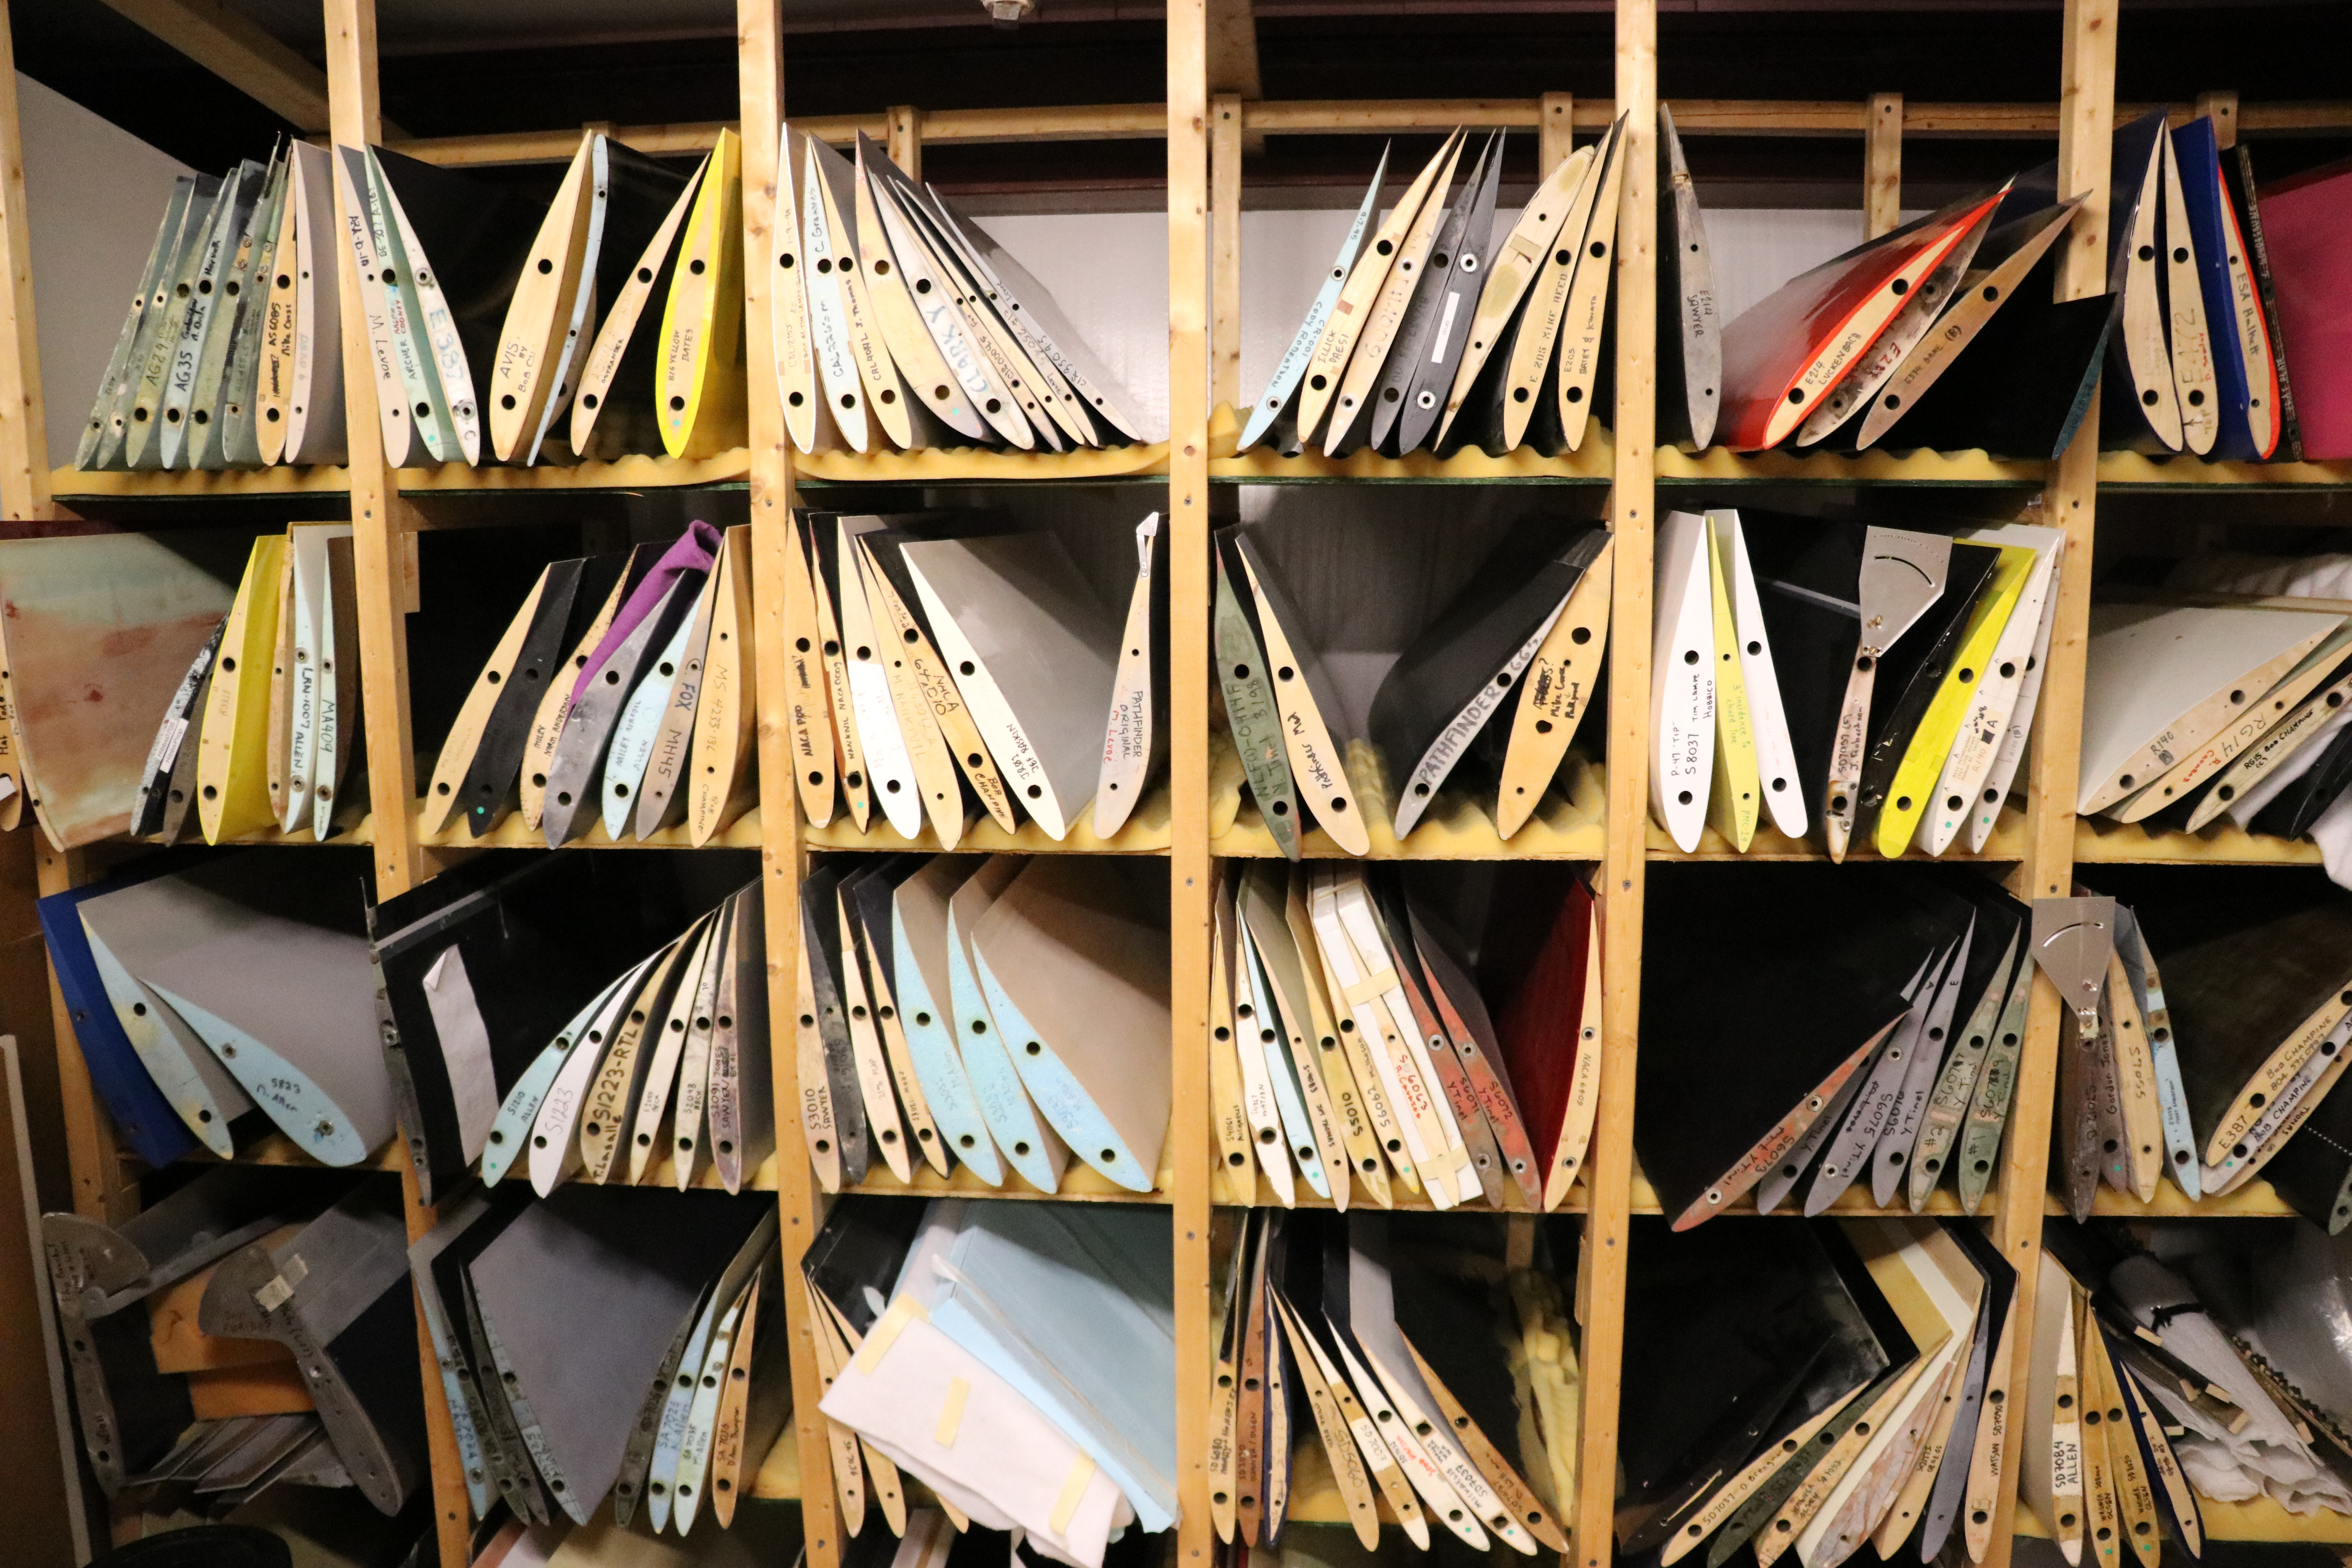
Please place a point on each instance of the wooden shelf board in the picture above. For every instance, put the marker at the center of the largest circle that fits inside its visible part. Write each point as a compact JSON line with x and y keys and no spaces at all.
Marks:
{"x":2223,"y":843}
{"x":1223,"y":1194}
{"x":1718,"y":465}
{"x":2256,"y":1200}
{"x":706,"y":1178}
{"x":2098,"y":841}
{"x":1145,"y":832}
{"x":1081,"y":1182}
{"x":2121,"y":470}
{"x":1592,"y":463}
{"x":779,"y":1472}
{"x":1566,"y":827}
{"x":619,"y":473}
{"x":2137,"y":470}
{"x":2007,"y":844}
{"x":663,"y":1175}
{"x":514,"y":833}
{"x":969,"y":465}
{"x":1855,"y":1203}
{"x":353,"y":825}
{"x":278,"y":1149}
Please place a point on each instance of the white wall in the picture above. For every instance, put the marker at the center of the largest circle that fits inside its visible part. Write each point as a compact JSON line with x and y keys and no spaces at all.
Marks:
{"x":93,"y":194}
{"x":1108,"y":272}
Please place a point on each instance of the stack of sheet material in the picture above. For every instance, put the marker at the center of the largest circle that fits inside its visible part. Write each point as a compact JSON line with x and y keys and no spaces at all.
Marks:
{"x":482,"y":308}
{"x":1944,"y":332}
{"x":2194,"y":709}
{"x":1009,"y":688}
{"x":603,"y":1018}
{"x":184,"y":1324}
{"x":1848,"y":1391}
{"x":620,"y":692}
{"x":1004,"y":1014}
{"x":900,"y":322}
{"x":1883,"y":1015}
{"x":1018,"y":1359}
{"x":1428,"y":333}
{"x":1489,"y":694}
{"x":231,"y":356}
{"x":1351,"y":1041}
{"x":628,"y":1344}
{"x":2225,"y":653}
{"x":216,"y":996}
{"x":2224,"y":1005}
{"x":1876,"y":684}
{"x":1439,"y":1382}
{"x":2174,"y":1363}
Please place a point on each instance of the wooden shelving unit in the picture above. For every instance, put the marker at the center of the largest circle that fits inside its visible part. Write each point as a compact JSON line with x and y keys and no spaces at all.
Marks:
{"x":1597,"y":811}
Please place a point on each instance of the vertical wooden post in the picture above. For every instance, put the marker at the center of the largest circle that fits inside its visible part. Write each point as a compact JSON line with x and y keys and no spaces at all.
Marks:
{"x":379,"y":516}
{"x":1188,"y":686}
{"x":1225,"y":237}
{"x":2223,"y":108}
{"x":24,"y":440}
{"x":1882,"y":165}
{"x":1555,"y":132}
{"x":1608,"y":1179}
{"x":905,"y":134}
{"x":2086,"y":133}
{"x":760,"y":67}
{"x":379,"y":561}
{"x":92,"y":1151}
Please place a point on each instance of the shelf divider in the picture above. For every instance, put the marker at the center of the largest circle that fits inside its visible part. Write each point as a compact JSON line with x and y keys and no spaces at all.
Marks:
{"x":384,"y":584}
{"x":1601,"y":1270}
{"x":2085,"y":136}
{"x":760,"y":64}
{"x":1189,"y":315}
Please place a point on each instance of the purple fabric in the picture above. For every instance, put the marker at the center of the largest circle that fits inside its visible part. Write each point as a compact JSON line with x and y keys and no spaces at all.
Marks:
{"x":696,"y":551}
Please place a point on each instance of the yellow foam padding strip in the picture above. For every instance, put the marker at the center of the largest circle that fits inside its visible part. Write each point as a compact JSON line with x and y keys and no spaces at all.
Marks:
{"x":1073,"y":1488}
{"x":952,"y":1412}
{"x":903,"y":1310}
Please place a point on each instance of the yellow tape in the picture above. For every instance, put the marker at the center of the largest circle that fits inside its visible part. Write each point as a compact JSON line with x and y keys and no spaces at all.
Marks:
{"x":877,"y":1344}
{"x":1074,"y":1489}
{"x":952,"y":1412}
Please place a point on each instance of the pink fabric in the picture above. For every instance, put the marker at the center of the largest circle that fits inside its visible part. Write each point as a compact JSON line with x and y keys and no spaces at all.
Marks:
{"x":695,"y":550}
{"x":2307,"y":227}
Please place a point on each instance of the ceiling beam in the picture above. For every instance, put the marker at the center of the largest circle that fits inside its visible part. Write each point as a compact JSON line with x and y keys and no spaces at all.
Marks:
{"x":241,"y":53}
{"x":1233,"y":49}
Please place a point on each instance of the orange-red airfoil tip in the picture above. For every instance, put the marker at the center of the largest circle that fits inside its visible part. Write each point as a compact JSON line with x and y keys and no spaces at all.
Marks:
{"x":1781,"y":357}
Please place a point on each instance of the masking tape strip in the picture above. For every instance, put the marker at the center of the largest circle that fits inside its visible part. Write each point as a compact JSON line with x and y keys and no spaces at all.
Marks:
{"x":952,"y":1412}
{"x":1074,"y":1490}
